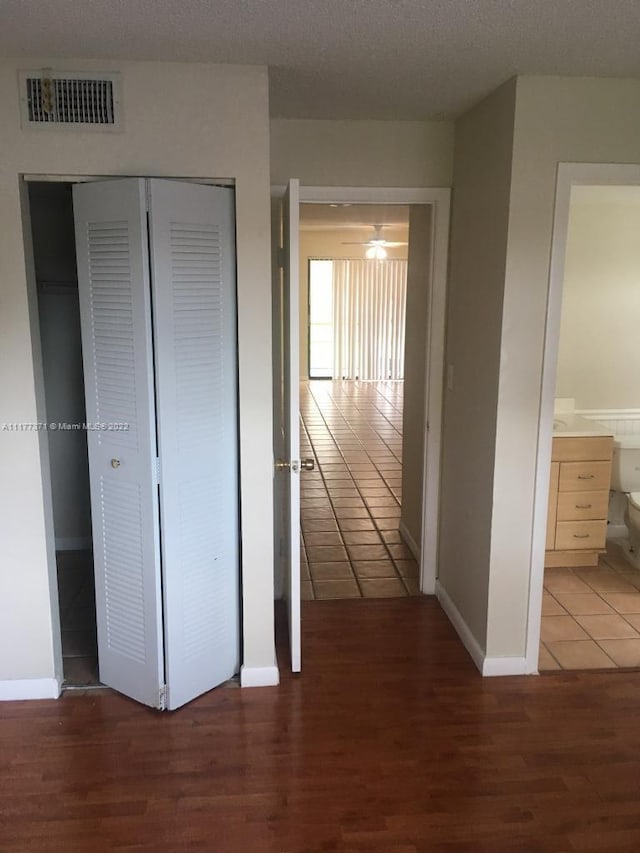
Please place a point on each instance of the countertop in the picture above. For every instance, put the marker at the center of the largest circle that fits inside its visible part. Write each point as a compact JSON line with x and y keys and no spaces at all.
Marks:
{"x":568,"y":425}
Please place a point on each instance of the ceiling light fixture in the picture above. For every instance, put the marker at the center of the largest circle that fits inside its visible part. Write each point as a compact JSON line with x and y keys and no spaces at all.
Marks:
{"x":376,"y":252}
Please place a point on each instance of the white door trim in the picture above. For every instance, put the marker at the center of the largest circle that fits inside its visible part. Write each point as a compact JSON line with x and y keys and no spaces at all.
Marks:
{"x":569,"y":175}
{"x":440,"y":198}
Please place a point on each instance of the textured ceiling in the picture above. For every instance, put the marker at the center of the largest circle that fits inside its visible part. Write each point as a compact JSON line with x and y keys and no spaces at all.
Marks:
{"x":386,"y":59}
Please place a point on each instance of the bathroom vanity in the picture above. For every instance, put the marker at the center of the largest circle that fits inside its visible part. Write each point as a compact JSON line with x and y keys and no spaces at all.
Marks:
{"x":579,"y":492}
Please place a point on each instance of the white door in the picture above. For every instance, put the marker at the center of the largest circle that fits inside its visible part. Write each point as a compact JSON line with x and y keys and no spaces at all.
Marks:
{"x":194,"y":308}
{"x":287,"y":421}
{"x":115,"y":311}
{"x":165,"y":506}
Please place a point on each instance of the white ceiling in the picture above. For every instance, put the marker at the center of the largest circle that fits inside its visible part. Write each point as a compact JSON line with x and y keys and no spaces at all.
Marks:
{"x":331,"y":217}
{"x":385,"y":59}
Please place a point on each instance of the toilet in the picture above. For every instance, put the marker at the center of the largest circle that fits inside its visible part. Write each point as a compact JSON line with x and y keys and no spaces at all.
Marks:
{"x":625,"y":477}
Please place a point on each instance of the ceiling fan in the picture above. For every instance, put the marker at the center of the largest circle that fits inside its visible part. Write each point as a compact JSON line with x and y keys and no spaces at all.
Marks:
{"x":377,"y":244}
{"x":376,"y":240}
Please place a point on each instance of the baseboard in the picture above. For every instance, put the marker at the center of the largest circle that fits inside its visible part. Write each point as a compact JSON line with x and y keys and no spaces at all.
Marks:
{"x":505,"y":666}
{"x":488,"y":666}
{"x":409,"y":541}
{"x":29,"y":688}
{"x":259,"y":676}
{"x":464,"y":632}
{"x":73,"y":544}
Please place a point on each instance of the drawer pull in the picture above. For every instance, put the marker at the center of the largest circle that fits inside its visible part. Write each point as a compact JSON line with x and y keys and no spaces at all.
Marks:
{"x":580,"y":535}
{"x":586,"y":476}
{"x":584,"y":506}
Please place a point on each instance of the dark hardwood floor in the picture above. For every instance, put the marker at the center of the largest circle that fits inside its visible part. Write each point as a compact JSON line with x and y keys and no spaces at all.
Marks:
{"x":390,"y":741}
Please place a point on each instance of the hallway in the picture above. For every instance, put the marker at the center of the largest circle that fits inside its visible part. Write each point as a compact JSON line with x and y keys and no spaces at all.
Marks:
{"x":350,"y":504}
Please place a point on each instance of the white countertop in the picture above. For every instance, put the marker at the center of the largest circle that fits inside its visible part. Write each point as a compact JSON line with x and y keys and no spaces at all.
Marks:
{"x":568,"y":425}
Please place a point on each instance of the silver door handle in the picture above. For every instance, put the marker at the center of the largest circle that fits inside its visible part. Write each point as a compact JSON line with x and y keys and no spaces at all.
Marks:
{"x":308,"y":464}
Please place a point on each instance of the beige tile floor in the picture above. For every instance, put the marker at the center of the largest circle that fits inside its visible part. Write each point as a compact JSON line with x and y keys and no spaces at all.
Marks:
{"x":350,"y":503}
{"x":591,"y":616}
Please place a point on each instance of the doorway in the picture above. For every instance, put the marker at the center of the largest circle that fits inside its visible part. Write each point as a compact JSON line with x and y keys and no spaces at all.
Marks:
{"x":430,"y":325}
{"x":586,"y":400}
{"x":354,"y":274}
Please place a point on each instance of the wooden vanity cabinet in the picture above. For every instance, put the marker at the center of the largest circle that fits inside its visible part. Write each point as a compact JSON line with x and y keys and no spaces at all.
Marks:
{"x":578,"y":500}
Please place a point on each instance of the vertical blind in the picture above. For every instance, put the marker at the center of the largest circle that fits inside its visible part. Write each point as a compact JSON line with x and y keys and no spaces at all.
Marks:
{"x":369,"y":318}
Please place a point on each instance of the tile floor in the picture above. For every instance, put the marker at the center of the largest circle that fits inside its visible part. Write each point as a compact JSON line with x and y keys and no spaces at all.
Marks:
{"x":76,"y":592}
{"x":350,"y":503}
{"x":591,"y":616}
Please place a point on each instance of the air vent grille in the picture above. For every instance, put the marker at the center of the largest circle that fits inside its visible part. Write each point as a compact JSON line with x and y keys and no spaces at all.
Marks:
{"x":70,"y":99}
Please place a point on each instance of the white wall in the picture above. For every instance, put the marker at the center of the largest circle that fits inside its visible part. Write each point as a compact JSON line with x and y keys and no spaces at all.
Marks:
{"x":191,"y":120}
{"x":482,"y":175}
{"x":362,"y":153}
{"x":330,"y":244}
{"x":598,"y":359}
{"x":558,"y":120}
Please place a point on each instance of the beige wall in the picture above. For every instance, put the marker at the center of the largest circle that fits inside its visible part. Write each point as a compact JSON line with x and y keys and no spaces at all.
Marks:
{"x":598,"y":359}
{"x":330,"y":244}
{"x":362,"y":153}
{"x":557,"y":120}
{"x":179,"y":120}
{"x":482,"y":175}
{"x":420,"y":258}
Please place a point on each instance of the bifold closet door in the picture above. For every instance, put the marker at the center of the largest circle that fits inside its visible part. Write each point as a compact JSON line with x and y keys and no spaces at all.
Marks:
{"x":115,"y":310}
{"x":192,"y":244}
{"x":156,"y":269}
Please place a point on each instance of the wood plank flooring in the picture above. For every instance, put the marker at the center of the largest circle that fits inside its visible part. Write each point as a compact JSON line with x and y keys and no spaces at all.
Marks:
{"x":389,"y":741}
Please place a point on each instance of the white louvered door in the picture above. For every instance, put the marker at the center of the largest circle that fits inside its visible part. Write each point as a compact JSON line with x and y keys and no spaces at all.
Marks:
{"x":194,"y":306}
{"x":115,"y":310}
{"x":156,"y":272}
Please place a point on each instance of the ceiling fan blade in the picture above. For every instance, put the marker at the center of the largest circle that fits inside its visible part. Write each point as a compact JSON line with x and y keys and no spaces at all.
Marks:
{"x":392,"y":244}
{"x":355,"y":243}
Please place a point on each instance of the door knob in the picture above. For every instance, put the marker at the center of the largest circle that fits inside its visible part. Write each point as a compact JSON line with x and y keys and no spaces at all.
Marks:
{"x":115,"y":463}
{"x":308,"y":464}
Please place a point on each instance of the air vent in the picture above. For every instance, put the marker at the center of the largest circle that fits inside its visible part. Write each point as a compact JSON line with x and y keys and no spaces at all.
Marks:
{"x":55,"y":99}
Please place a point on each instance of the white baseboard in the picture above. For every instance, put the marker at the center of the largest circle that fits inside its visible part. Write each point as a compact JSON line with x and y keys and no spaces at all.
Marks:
{"x":73,"y":544}
{"x":506,"y":666}
{"x":29,"y":688}
{"x":409,"y":541}
{"x":259,"y":676}
{"x":464,"y":632}
{"x":488,"y":666}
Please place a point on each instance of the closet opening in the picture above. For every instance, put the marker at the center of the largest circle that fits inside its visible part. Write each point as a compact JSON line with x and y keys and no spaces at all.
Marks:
{"x":65,"y":425}
{"x":134,"y":288}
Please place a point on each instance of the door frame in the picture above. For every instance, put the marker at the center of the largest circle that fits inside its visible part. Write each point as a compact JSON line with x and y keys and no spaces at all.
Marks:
{"x":568,"y":176}
{"x":440,"y":199}
{"x":54,"y":598}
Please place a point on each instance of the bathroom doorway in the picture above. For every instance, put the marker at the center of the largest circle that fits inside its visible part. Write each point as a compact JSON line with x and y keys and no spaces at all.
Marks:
{"x":589,"y":585}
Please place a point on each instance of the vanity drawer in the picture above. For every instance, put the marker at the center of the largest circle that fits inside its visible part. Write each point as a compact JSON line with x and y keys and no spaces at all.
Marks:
{"x":569,"y":449}
{"x":577,"y":506}
{"x":584,"y":476}
{"x":580,"y":535}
